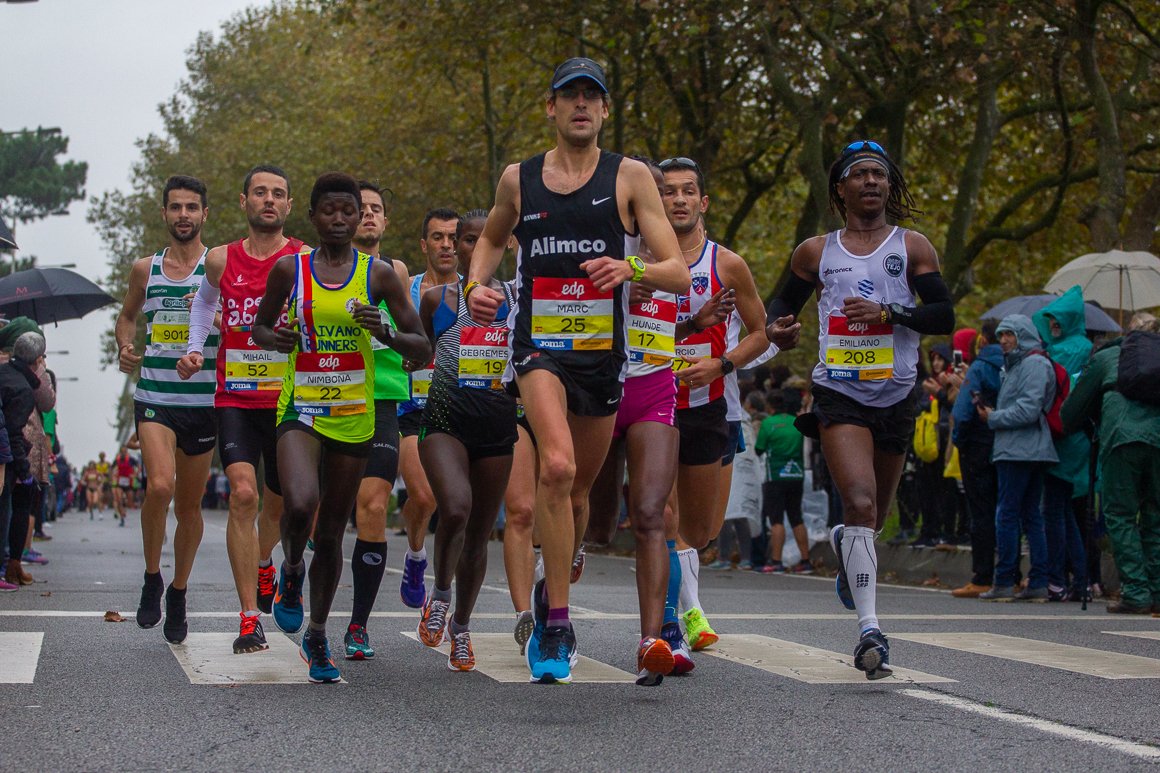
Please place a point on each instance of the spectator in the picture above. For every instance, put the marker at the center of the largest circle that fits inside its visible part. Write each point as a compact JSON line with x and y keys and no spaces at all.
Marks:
{"x":18,"y":382}
{"x":781,"y":444}
{"x":1065,"y":489}
{"x":1129,"y":462}
{"x":744,"y":503}
{"x":937,"y":494}
{"x":31,"y":345}
{"x":1022,"y":450}
{"x":975,"y":440}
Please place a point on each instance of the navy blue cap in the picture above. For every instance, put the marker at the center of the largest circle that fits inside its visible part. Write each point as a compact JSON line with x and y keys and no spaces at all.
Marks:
{"x":578,"y":67}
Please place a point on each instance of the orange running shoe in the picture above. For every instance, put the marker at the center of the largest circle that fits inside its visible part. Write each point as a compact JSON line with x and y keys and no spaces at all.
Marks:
{"x":432,"y":627}
{"x":462,"y":657}
{"x":654,"y":661}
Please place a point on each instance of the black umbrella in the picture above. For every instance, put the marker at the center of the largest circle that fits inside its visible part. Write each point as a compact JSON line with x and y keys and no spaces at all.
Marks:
{"x":1095,"y":319}
{"x":50,"y":295}
{"x":7,"y":241}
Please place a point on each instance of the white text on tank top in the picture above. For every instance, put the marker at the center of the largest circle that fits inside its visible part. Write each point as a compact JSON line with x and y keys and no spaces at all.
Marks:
{"x":874,"y":364}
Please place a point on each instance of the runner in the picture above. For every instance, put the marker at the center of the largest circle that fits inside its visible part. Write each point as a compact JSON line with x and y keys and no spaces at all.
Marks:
{"x":572,"y":210}
{"x":438,"y":246}
{"x":174,"y":418}
{"x":326,"y":409}
{"x":645,"y":435}
{"x":105,"y":470}
{"x":866,"y":276}
{"x":123,"y":471}
{"x":706,"y":371}
{"x":469,"y":430}
{"x":248,"y":384}
{"x":92,"y":480}
{"x":369,"y":561}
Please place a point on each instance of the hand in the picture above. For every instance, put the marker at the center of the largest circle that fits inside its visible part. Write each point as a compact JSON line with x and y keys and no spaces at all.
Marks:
{"x":370,"y":318}
{"x":128,"y":359}
{"x":716,"y":309}
{"x":784,"y":332}
{"x":189,"y":365}
{"x":984,"y":412}
{"x":286,"y":338}
{"x":931,"y":386}
{"x":638,"y":294}
{"x":188,"y":298}
{"x":607,"y":273}
{"x":702,"y":372}
{"x":413,"y":365}
{"x":951,"y":380}
{"x":483,"y":303}
{"x":862,"y":311}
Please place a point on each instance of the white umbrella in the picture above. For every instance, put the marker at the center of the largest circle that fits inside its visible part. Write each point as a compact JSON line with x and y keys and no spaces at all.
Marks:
{"x":1115,"y":279}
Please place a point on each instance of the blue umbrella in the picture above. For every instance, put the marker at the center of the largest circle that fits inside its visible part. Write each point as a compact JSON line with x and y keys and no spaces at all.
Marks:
{"x":1095,"y":319}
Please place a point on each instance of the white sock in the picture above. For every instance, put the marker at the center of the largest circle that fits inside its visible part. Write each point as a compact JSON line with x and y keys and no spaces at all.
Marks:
{"x":420,"y":556}
{"x":538,"y":572}
{"x":690,"y":579}
{"x":862,"y":571}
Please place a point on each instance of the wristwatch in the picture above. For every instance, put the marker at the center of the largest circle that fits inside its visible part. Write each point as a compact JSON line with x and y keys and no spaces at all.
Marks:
{"x":727,"y":365}
{"x":638,"y":267}
{"x":896,"y":311}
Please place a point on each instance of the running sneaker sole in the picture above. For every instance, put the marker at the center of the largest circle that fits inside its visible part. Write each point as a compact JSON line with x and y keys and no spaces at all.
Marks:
{"x":358,"y":655}
{"x":704,"y":640}
{"x":246,"y":650}
{"x":525,"y":624}
{"x":841,"y":582}
{"x":655,"y":664}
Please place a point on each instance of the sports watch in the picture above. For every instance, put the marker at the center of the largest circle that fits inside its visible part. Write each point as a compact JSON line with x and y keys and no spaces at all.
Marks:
{"x":897,"y":311}
{"x":638,"y":267}
{"x":727,"y":365}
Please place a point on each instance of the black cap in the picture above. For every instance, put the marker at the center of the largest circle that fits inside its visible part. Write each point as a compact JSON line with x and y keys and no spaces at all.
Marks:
{"x":578,"y":67}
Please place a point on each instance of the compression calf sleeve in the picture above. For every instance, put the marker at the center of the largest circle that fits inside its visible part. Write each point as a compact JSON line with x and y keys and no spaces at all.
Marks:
{"x":936,"y":315}
{"x":205,"y":303}
{"x":862,"y":571}
{"x":690,"y":596}
{"x":673,"y":593}
{"x":368,"y":564}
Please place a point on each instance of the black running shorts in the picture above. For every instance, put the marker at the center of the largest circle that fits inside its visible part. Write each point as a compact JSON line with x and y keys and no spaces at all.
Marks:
{"x":384,"y":459}
{"x":704,"y":432}
{"x":248,"y":434}
{"x":892,"y":427}
{"x":410,"y":423}
{"x":195,"y":428}
{"x":483,"y":422}
{"x":361,"y":450}
{"x":594,"y":392}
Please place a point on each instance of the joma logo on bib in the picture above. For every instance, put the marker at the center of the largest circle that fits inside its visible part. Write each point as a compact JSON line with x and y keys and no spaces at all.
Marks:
{"x":550,"y":245}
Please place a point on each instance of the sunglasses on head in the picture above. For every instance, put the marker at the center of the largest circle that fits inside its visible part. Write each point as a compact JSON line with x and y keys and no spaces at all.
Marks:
{"x":679,"y":162}
{"x":857,"y":145}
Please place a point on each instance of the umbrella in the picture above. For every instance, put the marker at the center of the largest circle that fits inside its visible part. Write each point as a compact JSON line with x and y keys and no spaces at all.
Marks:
{"x":1115,"y":279}
{"x":1095,"y":319}
{"x":50,"y":295}
{"x":7,"y":241}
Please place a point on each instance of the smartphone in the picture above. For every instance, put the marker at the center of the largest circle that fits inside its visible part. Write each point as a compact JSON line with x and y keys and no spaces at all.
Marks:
{"x":957,"y":358}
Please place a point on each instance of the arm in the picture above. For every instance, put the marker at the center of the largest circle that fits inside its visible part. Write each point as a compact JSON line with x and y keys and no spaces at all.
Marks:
{"x":1028,"y":405}
{"x":936,"y":315}
{"x":202,"y":313}
{"x":278,"y":286}
{"x":964,"y":407}
{"x":125,"y":331}
{"x":482,"y":301}
{"x":1084,"y":399}
{"x":402,"y":272}
{"x":409,"y":341}
{"x":45,"y":394}
{"x":784,"y":330}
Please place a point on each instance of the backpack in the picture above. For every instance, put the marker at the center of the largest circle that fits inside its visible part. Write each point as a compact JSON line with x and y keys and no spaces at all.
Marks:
{"x":1138,"y":372}
{"x":926,"y":433}
{"x":1062,"y":390}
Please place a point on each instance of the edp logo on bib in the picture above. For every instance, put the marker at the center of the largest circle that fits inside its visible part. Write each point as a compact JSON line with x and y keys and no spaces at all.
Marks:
{"x":893,"y":264}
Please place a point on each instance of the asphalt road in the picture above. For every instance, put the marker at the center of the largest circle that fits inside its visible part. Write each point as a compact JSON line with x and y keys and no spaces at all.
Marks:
{"x":1021,"y":686}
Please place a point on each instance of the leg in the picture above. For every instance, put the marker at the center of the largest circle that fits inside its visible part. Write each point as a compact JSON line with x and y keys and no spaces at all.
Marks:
{"x":1031,"y":516}
{"x":241,"y":536}
{"x":420,"y":499}
{"x":604,"y":498}
{"x":488,"y":480}
{"x":519,"y":561}
{"x":1056,"y":506}
{"x":1123,"y":482}
{"x":446,"y":457}
{"x":1014,"y":478}
{"x":652,"y":459}
{"x":269,"y":524}
{"x":697,"y":492}
{"x":591,"y":437}
{"x":340,"y":476}
{"x":190,"y":475}
{"x":158,"y":451}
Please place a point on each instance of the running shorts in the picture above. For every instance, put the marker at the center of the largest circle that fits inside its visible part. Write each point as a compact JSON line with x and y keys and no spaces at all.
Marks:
{"x":652,"y":397}
{"x":705,"y":433}
{"x":892,"y":427}
{"x":384,"y":459}
{"x":360,"y":450}
{"x":594,"y":392}
{"x":410,"y":423}
{"x":195,"y":428}
{"x":484,"y":423}
{"x":736,"y":444}
{"x":248,"y":434}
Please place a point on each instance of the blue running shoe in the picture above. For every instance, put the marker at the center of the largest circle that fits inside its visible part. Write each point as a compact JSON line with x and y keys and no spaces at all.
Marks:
{"x":539,"y":623}
{"x":557,"y":650}
{"x":315,"y":651}
{"x":842,"y":584}
{"x":287,"y":604}
{"x":872,"y":654}
{"x":413,"y":591}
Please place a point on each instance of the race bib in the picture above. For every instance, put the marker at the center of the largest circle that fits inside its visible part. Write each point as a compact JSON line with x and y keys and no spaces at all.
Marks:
{"x":421,"y":384}
{"x":483,"y":355}
{"x":651,"y":326}
{"x":686,"y":354}
{"x":249,"y":370}
{"x":170,"y":329}
{"x":570,"y":314}
{"x":330,"y":384}
{"x":857,"y":351}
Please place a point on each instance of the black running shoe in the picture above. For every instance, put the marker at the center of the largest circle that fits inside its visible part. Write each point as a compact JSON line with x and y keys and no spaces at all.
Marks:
{"x":872,"y":654}
{"x":175,"y":628}
{"x":149,"y":609}
{"x":251,"y":637}
{"x":267,"y":584}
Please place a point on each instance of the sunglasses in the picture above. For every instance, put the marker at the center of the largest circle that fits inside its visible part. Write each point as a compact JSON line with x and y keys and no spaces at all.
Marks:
{"x":679,"y":162}
{"x":857,"y":145}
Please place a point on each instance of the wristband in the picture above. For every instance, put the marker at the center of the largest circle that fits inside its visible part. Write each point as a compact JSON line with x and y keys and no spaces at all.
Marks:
{"x":467,"y":288}
{"x":884,"y":314}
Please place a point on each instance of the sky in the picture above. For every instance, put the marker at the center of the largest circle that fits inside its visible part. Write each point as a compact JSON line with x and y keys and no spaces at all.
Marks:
{"x":97,"y":70}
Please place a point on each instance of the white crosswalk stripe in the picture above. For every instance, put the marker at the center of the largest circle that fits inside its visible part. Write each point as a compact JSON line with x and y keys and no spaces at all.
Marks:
{"x":208,"y":658}
{"x":1066,"y":657}
{"x":1154,"y":635}
{"x":498,"y":657}
{"x":21,"y":654}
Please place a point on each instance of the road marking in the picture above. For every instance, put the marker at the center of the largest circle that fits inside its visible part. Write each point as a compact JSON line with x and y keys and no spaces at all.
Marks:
{"x":208,"y":658}
{"x":498,"y":657}
{"x":1154,"y":635}
{"x":1140,"y":750}
{"x":21,"y":654}
{"x":1066,"y":657}
{"x":802,"y":662}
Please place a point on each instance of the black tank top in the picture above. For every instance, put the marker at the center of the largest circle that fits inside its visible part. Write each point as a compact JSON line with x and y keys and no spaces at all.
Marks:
{"x":558,"y":310}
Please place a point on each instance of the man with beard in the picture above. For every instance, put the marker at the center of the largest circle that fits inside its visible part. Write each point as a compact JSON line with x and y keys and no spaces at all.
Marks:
{"x":249,"y":380}
{"x":174,"y":417}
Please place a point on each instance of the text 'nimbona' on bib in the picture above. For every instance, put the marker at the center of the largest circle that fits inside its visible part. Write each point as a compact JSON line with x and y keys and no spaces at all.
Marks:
{"x":687,"y":354}
{"x":571,"y":314}
{"x":254,"y":369}
{"x":650,"y":332}
{"x":329,"y":384}
{"x":421,"y":384}
{"x":483,"y":356}
{"x":858,"y":351}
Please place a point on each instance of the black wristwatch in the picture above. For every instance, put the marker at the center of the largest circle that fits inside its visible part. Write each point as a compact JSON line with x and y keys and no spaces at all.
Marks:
{"x":727,"y":365}
{"x":897,"y":311}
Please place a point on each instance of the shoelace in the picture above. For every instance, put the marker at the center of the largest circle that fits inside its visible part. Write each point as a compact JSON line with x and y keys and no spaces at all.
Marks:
{"x":358,"y":635}
{"x":319,"y":651}
{"x":266,"y":581}
{"x":461,"y":646}
{"x":438,"y":617}
{"x":412,"y":573}
{"x":249,"y":625}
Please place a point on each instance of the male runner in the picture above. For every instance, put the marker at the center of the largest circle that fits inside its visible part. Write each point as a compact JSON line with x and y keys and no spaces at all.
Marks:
{"x":123,"y":472}
{"x":705,"y":370}
{"x":438,"y":247}
{"x":866,"y":276}
{"x":174,"y":417}
{"x":369,"y":561}
{"x":574,"y":211}
{"x":249,"y":380}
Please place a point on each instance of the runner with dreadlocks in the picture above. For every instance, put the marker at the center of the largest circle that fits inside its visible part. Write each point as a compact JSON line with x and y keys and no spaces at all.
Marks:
{"x":866,"y":276}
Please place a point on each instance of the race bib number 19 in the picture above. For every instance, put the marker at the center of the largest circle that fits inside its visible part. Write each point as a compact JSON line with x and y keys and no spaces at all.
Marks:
{"x":483,"y":356}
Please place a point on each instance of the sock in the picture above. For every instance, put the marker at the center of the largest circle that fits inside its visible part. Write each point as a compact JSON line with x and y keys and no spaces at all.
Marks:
{"x":862,"y":570}
{"x":367,"y":565}
{"x":316,"y":629}
{"x":297,"y":570}
{"x":674,"y":589}
{"x":538,"y":572}
{"x":420,"y":556}
{"x":456,"y":628}
{"x":442,"y":594}
{"x":690,"y":578}
{"x":558,"y":617}
{"x":153,"y":579}
{"x":251,"y":613}
{"x":266,"y":564}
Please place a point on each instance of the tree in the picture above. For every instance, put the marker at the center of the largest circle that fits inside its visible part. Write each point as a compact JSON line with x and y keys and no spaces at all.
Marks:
{"x":33,"y":183}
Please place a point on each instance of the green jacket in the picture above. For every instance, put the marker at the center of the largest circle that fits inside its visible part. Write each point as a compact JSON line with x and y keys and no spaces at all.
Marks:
{"x":1071,"y":350}
{"x":1121,"y":420}
{"x":781,"y":445}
